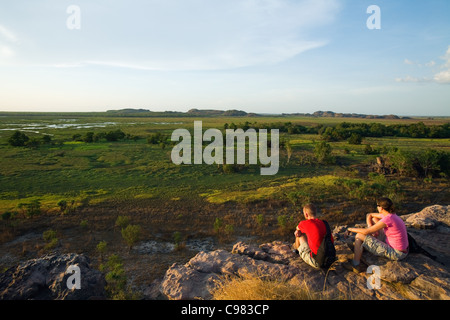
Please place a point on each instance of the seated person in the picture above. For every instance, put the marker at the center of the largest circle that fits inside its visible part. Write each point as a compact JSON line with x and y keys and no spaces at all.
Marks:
{"x":385,"y":235}
{"x":309,"y":237}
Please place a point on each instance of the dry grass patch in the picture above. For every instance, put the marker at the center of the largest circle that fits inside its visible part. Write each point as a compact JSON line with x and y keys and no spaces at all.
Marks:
{"x":256,"y":287}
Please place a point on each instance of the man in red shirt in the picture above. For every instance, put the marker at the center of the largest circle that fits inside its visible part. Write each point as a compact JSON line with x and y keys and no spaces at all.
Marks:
{"x":309,"y":237}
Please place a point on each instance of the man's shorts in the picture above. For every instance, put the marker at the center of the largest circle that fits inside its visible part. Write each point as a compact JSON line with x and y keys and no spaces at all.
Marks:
{"x":309,"y":257}
{"x":381,"y":248}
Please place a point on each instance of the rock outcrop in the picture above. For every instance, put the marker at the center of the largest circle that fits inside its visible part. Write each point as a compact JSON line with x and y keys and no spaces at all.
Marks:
{"x":416,"y":277}
{"x":46,"y":279}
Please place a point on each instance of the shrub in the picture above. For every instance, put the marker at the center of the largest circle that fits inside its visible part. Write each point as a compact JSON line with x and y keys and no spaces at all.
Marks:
{"x":178,"y":239}
{"x":115,"y":135}
{"x":50,"y":238}
{"x":259,"y":220}
{"x":229,"y":229}
{"x":156,"y":138}
{"x":8,"y":215}
{"x":116,"y":280}
{"x":89,"y":137}
{"x":322,"y":152}
{"x":131,"y":234}
{"x":49,"y":235}
{"x":18,"y":139}
{"x":122,"y":221}
{"x":101,"y":248}
{"x":84,"y":224}
{"x":62,"y":204}
{"x":31,"y":209}
{"x":355,"y":139}
{"x":218,"y":225}
{"x":46,"y":139}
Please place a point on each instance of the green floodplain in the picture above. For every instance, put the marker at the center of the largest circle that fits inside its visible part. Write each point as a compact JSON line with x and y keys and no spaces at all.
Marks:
{"x":79,"y":163}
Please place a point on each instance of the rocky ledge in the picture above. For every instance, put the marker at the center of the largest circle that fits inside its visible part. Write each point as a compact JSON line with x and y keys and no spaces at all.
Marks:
{"x":416,"y":277}
{"x":46,"y":279}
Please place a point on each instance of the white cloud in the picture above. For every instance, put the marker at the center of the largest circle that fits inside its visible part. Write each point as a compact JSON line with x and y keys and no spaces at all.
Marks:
{"x":446,"y":57}
{"x":7,"y":40}
{"x":7,"y":34}
{"x":407,"y":79}
{"x":442,"y":77}
{"x":197,"y":34}
{"x":6,"y":51}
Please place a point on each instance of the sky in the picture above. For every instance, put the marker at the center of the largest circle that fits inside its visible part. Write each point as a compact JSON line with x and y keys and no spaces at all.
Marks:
{"x":263,"y":56}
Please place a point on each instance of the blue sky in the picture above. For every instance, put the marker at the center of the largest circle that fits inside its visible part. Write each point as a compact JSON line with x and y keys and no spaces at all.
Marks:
{"x":265,"y":56}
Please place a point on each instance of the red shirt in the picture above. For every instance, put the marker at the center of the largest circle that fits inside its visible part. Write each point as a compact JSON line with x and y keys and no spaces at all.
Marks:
{"x":315,"y":231}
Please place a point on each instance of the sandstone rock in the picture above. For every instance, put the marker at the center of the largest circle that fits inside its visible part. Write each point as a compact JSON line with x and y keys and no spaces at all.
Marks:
{"x":429,"y":217}
{"x":183,"y":283}
{"x":45,"y":279}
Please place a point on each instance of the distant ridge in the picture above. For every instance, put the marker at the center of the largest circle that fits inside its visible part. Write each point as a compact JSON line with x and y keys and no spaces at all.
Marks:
{"x":331,"y":114}
{"x":132,"y":112}
{"x":239,"y":113}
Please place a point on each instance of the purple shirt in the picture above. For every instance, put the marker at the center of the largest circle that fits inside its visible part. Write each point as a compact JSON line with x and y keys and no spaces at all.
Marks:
{"x":396,"y":234}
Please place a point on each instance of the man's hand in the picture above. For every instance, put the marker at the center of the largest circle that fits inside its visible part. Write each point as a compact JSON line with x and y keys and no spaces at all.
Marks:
{"x":297,"y":233}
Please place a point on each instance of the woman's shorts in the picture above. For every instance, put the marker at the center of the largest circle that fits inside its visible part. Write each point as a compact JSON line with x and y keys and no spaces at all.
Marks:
{"x":380,"y":248}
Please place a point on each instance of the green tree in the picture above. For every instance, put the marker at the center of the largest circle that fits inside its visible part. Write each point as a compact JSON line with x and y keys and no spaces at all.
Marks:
{"x":429,"y":161}
{"x":89,"y":137}
{"x":116,"y":279}
{"x":355,"y":139}
{"x":368,"y":149}
{"x":62,"y":204}
{"x":178,"y":239}
{"x":401,"y":161}
{"x":131,"y":234}
{"x":50,"y":238}
{"x":322,"y":152}
{"x":115,"y":135}
{"x":46,"y":139}
{"x":31,"y":208}
{"x":122,"y":221}
{"x":18,"y":139}
{"x":218,"y":223}
{"x":101,"y":248}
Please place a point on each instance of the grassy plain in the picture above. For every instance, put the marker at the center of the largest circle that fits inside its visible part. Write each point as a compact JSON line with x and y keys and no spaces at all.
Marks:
{"x":102,"y":180}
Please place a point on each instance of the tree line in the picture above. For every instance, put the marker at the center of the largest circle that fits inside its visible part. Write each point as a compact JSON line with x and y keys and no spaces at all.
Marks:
{"x":344,"y":130}
{"x":20,"y":139}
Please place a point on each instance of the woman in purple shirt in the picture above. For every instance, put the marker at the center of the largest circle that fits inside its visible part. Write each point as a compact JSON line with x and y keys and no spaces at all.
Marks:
{"x":385,"y":235}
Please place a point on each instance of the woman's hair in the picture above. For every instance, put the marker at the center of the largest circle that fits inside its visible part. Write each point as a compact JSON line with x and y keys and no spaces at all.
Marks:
{"x":386,"y":204}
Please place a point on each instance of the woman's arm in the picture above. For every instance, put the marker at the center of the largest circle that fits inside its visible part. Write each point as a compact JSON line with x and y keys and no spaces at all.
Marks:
{"x":378,"y":226}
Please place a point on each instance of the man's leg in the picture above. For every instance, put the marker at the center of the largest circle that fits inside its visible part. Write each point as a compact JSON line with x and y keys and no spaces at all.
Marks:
{"x":305,"y":252}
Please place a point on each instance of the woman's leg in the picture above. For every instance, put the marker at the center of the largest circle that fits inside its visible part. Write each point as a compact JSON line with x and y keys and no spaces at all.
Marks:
{"x":358,"y":250}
